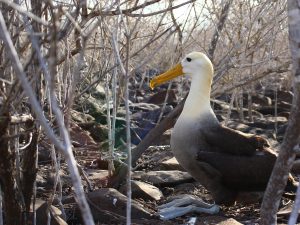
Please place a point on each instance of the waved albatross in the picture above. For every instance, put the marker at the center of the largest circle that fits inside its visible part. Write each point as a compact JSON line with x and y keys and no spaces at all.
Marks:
{"x":223,"y":160}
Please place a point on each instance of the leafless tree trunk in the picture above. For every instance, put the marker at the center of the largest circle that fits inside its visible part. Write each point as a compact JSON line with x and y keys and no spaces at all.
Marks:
{"x":29,"y":169}
{"x":7,"y":169}
{"x":291,"y":140}
{"x":12,"y":205}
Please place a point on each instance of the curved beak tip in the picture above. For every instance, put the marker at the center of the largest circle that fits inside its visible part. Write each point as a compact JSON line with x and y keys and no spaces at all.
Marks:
{"x":152,"y":84}
{"x":170,"y":74}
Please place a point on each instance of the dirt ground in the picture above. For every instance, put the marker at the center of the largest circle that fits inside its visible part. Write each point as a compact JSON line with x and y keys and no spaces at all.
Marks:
{"x":244,"y":213}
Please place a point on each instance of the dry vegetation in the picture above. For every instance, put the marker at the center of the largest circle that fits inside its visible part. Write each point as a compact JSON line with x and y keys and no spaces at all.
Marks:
{"x":65,"y":50}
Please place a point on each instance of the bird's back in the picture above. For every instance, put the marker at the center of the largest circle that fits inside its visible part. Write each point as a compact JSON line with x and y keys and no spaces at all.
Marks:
{"x":248,"y":173}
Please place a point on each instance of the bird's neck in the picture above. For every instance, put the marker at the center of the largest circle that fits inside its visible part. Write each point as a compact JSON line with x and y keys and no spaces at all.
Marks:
{"x":197,"y":103}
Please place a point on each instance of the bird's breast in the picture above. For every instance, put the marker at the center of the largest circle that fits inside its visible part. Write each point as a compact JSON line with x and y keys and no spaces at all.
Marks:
{"x":184,"y":142}
{"x":187,"y":138}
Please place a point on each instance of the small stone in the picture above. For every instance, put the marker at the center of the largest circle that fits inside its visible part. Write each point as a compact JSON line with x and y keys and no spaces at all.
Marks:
{"x":172,"y":164}
{"x":144,"y":191}
{"x":41,"y":214}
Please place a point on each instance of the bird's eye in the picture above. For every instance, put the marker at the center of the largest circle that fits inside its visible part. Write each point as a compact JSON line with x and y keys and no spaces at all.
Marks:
{"x":188,"y":59}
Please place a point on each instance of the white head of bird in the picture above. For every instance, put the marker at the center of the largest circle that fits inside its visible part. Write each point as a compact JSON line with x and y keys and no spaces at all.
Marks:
{"x":199,"y":67}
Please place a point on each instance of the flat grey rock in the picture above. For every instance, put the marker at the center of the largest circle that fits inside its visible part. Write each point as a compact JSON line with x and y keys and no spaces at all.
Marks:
{"x":106,"y":202}
{"x":144,"y":191}
{"x":165,"y":178}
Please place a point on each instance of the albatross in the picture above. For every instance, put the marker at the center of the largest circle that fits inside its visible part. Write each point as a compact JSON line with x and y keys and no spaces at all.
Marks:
{"x":223,"y":160}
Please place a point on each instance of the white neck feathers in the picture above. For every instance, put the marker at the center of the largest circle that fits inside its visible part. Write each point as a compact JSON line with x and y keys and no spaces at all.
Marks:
{"x":198,"y":100}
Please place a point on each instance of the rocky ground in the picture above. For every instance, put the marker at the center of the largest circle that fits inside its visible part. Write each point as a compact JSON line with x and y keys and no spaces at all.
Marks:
{"x":157,"y":177}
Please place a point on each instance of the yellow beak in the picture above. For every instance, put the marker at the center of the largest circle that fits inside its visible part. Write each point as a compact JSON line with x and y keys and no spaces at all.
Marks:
{"x":170,"y":74}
